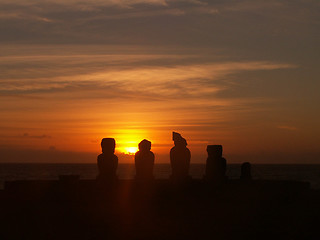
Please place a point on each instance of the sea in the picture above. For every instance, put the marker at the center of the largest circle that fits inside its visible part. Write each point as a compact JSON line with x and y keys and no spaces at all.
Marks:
{"x":32,"y":171}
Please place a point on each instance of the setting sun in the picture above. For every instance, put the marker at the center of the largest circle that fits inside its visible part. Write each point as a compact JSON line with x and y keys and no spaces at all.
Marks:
{"x":130,"y":150}
{"x":127,"y":140}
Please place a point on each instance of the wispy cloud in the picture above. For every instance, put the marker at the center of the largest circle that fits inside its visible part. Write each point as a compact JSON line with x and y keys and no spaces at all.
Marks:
{"x":27,"y":135}
{"x":286,"y":127}
{"x":22,"y":16}
{"x":187,"y":81}
{"x":117,"y":21}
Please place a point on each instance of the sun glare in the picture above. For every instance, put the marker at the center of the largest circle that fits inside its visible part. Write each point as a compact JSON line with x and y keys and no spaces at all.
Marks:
{"x":131,"y":150}
{"x":127,"y":140}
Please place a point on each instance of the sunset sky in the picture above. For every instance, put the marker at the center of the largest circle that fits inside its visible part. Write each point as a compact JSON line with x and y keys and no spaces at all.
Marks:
{"x":244,"y":74}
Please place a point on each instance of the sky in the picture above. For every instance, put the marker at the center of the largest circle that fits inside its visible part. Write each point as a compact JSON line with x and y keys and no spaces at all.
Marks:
{"x":243,"y":74}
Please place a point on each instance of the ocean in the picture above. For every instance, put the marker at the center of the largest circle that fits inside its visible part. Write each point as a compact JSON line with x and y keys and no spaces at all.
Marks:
{"x":15,"y":171}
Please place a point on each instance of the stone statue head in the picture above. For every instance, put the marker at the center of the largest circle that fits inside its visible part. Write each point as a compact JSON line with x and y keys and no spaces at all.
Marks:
{"x":108,"y":145}
{"x":145,"y":145}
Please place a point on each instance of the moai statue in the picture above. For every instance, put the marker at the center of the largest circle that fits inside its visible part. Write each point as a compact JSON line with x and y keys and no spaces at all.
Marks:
{"x":246,"y":171}
{"x":216,"y":165}
{"x":144,"y":161}
{"x":107,"y":160}
{"x":179,"y":158}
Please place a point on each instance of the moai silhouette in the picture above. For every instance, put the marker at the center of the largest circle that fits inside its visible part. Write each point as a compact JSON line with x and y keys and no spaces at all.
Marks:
{"x":216,"y":165}
{"x":246,"y":171}
{"x":144,"y":161}
{"x":107,"y":160}
{"x":179,"y":158}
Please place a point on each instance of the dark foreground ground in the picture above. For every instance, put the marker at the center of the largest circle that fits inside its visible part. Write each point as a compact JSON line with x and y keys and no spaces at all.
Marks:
{"x":159,"y":210}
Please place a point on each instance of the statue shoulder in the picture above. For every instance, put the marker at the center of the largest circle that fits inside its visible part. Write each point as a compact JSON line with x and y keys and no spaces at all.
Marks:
{"x":100,"y":157}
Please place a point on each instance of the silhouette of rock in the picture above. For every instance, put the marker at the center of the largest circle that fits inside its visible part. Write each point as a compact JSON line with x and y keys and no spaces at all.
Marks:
{"x":144,"y":161}
{"x":107,"y":161}
{"x":246,"y":171}
{"x":216,"y":165}
{"x":179,"y":158}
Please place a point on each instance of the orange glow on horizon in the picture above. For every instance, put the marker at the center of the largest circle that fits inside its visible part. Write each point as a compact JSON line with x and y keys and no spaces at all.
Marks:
{"x":130,"y":150}
{"x":127,"y":140}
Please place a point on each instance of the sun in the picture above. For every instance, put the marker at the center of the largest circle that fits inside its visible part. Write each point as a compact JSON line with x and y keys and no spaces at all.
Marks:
{"x":130,"y":150}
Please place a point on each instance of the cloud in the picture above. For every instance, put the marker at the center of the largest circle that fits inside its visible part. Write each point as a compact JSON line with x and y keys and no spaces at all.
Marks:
{"x":130,"y":77}
{"x":138,"y":14}
{"x":248,"y":6}
{"x":23,"y":16}
{"x":218,"y":24}
{"x":78,"y":11}
{"x":193,"y":91}
{"x":285,"y":127}
{"x":27,"y":135}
